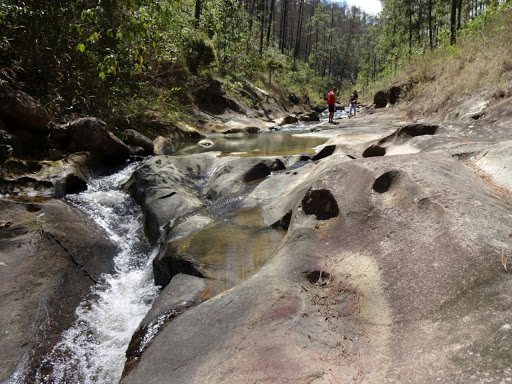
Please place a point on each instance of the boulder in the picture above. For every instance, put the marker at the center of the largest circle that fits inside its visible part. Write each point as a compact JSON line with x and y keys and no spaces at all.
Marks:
{"x":183,"y":292}
{"x":20,"y":110}
{"x":49,"y":178}
{"x":380,"y":99}
{"x":205,"y":143}
{"x":5,"y":152}
{"x":163,"y":146}
{"x":7,"y":142}
{"x":288,"y":119}
{"x":92,"y":134}
{"x":293,"y":98}
{"x":310,"y":116}
{"x":212,"y":98}
{"x":167,"y":188}
{"x":137,"y":139}
{"x":51,"y":255}
{"x":390,"y":95}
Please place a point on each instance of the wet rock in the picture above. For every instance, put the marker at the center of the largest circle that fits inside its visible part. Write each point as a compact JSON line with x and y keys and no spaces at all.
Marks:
{"x":234,"y":131}
{"x":71,"y":184}
{"x":137,"y":139}
{"x":165,"y":268}
{"x":55,"y":154}
{"x":20,"y":110}
{"x":189,"y":226}
{"x":51,"y":256}
{"x":92,"y":134}
{"x":252,"y":130}
{"x":5,"y":152}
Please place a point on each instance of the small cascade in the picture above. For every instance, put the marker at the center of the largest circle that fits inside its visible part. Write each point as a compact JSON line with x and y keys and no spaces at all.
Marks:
{"x":93,"y":350}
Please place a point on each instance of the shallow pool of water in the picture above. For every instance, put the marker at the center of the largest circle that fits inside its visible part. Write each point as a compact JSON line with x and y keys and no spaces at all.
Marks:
{"x":283,"y":143}
{"x":231,"y":250}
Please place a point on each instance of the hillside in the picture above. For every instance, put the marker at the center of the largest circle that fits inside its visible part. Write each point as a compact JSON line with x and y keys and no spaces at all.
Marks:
{"x":467,"y":82}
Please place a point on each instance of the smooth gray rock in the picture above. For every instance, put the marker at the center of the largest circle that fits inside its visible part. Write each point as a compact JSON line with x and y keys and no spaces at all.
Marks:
{"x":162,"y":146}
{"x":183,"y":290}
{"x":137,"y":139}
{"x":399,"y":274}
{"x":49,"y":178}
{"x":166,"y":188}
{"x":20,"y":110}
{"x":92,"y":134}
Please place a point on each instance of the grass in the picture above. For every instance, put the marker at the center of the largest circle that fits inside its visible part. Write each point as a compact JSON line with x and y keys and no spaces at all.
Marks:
{"x":480,"y":62}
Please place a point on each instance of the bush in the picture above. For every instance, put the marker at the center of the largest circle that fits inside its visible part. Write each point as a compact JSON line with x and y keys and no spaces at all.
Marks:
{"x":198,"y":52}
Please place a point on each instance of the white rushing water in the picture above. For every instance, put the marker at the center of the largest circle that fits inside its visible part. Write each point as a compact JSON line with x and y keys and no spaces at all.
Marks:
{"x":93,"y":350}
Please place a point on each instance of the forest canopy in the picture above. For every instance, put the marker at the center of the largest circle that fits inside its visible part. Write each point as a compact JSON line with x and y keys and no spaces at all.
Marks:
{"x":99,"y":56}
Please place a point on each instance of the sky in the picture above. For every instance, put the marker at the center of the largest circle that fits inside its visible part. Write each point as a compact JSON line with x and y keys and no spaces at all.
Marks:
{"x":369,"y":6}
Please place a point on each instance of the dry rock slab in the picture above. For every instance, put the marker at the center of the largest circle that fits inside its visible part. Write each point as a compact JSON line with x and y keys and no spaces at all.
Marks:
{"x":384,"y":275}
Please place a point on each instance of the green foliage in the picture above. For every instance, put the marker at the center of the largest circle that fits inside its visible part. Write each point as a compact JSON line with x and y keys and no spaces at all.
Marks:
{"x":102,"y":56}
{"x":198,"y":52}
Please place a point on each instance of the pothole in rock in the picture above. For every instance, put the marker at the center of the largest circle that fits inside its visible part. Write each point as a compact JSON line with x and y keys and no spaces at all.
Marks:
{"x":165,"y":269}
{"x":325,"y":152}
{"x":320,"y":277}
{"x":284,"y":223}
{"x":419,"y":129}
{"x":320,"y":203}
{"x":71,"y":184}
{"x":374,"y":151}
{"x":384,"y":182}
{"x":261,"y":171}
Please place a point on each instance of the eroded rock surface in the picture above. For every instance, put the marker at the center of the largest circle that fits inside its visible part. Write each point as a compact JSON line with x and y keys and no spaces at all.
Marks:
{"x":391,"y":271}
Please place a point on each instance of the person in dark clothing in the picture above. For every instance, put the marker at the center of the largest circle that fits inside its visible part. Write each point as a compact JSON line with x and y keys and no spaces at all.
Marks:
{"x":331,"y":103}
{"x":353,"y":104}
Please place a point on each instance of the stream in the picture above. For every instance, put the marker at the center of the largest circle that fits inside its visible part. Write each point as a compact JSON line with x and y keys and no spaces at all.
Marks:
{"x":92,"y":351}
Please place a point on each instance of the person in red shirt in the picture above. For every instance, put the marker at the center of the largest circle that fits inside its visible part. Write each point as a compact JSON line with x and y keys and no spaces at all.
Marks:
{"x":331,"y":102}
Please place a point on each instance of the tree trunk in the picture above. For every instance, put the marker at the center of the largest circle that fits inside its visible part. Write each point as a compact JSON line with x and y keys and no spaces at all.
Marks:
{"x":299,"y":32}
{"x":453,"y":23}
{"x":270,"y":21}
{"x":197,"y":14}
{"x":430,"y":31}
{"x":459,"y":15}
{"x":284,"y":25}
{"x":261,"y":7}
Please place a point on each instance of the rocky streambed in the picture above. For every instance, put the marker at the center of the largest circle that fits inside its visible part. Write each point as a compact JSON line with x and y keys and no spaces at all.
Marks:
{"x":380,"y":259}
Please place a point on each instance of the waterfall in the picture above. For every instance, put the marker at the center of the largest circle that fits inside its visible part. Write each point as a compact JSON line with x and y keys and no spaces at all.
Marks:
{"x":93,"y":349}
